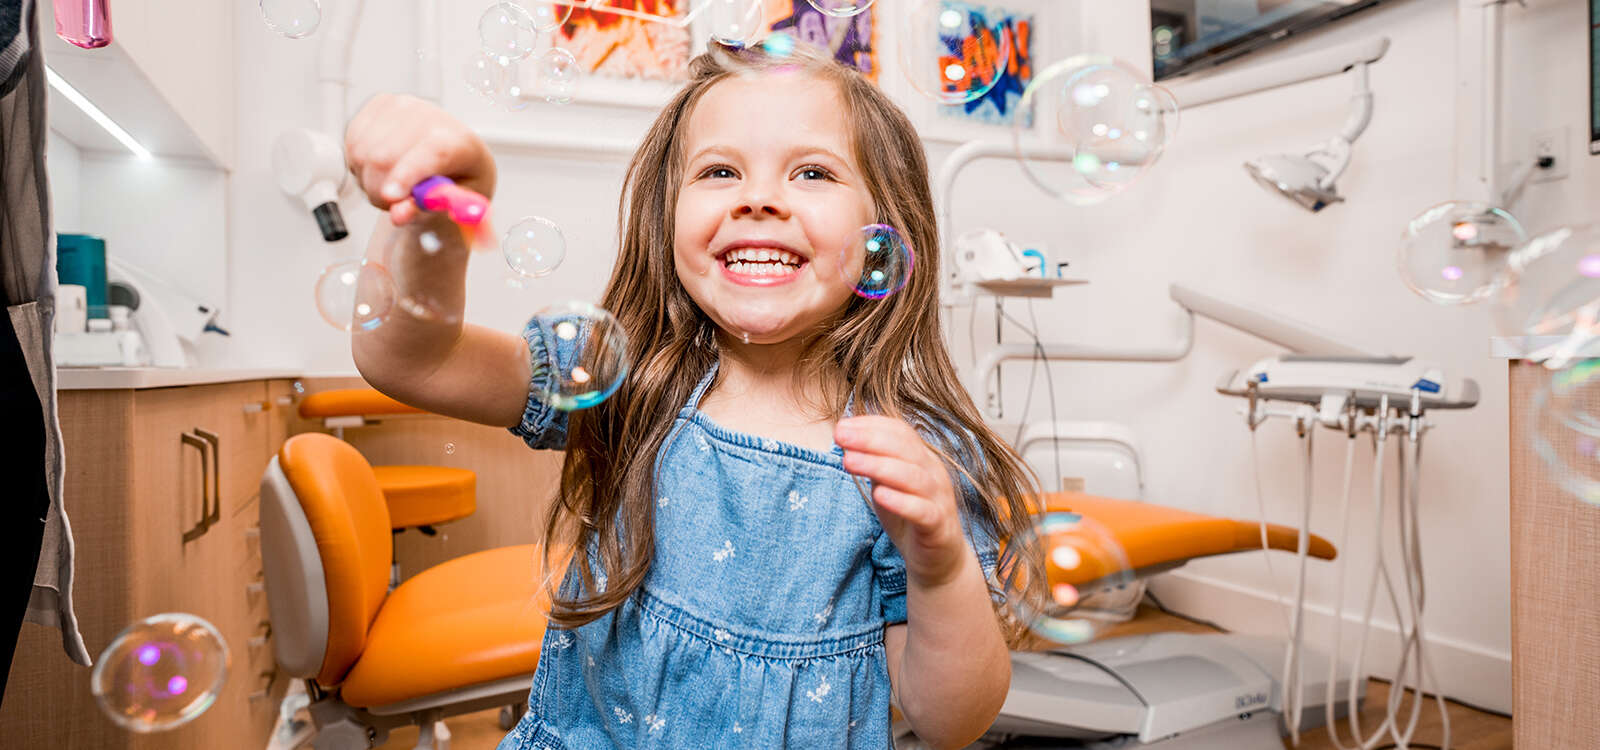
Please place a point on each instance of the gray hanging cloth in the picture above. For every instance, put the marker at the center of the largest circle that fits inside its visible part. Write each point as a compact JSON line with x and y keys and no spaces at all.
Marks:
{"x":28,"y":289}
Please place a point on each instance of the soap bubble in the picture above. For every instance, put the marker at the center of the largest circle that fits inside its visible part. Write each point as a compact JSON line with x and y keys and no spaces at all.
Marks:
{"x":1117,"y":122}
{"x":950,"y":54}
{"x":1102,"y":125}
{"x":160,"y":672}
{"x":549,"y":15}
{"x":877,"y":262}
{"x":1455,"y":252}
{"x":1565,"y":431}
{"x":556,"y":71}
{"x":534,"y":246}
{"x":506,"y":32}
{"x":295,"y":19}
{"x":509,"y":95}
{"x":483,"y":75}
{"x":355,"y":295}
{"x":1081,"y":558}
{"x":1549,"y":303}
{"x":841,"y":8}
{"x":733,"y":22}
{"x":586,"y":351}
{"x":425,"y":308}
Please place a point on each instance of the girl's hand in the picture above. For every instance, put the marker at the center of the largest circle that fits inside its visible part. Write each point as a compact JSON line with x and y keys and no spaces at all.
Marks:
{"x":911,"y":493}
{"x":395,"y":142}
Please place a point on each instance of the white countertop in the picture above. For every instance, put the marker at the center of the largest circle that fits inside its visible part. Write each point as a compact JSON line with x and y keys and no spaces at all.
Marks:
{"x":116,"y":378}
{"x":1519,"y":347}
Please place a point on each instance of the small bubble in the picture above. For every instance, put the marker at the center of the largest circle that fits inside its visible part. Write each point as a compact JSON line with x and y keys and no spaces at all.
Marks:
{"x":430,"y":242}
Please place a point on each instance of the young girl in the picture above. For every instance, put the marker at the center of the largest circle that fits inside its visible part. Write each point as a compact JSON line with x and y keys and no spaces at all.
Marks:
{"x":728,"y":585}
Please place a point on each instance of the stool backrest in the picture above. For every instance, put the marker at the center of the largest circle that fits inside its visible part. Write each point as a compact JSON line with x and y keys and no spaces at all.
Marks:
{"x":325,"y":547}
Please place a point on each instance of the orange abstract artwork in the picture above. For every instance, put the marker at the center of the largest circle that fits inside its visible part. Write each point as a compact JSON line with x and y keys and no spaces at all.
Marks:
{"x":642,"y":39}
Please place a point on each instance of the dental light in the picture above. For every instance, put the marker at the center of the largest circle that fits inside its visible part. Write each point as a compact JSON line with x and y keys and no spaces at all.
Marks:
{"x":1305,"y":179}
{"x":1308,"y":179}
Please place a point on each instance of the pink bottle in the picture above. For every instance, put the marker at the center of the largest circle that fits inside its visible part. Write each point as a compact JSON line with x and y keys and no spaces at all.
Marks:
{"x":84,"y":23}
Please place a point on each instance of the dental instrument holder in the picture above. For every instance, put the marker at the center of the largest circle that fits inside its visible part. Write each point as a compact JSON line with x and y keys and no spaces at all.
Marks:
{"x":1358,"y":395}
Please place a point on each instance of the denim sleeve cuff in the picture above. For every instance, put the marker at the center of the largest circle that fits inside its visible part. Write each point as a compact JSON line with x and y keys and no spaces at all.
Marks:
{"x":894,"y":597}
{"x":538,"y":427}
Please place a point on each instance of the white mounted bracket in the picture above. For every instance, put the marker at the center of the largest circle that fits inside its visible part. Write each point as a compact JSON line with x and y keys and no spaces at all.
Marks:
{"x":1292,"y":335}
{"x":1480,"y":43}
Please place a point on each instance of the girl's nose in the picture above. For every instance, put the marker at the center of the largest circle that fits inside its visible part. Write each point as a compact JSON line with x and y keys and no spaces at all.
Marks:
{"x":757,"y":204}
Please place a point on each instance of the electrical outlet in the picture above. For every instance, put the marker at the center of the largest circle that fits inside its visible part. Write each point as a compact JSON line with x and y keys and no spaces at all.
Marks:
{"x":1554,"y":143}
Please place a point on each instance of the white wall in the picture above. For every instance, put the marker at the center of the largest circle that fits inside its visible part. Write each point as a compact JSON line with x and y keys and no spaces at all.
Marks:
{"x":63,"y":162}
{"x":1199,"y":221}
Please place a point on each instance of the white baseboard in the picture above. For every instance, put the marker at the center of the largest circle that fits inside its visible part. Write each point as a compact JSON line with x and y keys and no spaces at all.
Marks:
{"x":1467,"y":672}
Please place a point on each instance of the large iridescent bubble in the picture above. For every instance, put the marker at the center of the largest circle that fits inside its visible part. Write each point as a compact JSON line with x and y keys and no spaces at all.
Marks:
{"x":1088,"y":127}
{"x":160,"y":672}
{"x":1081,"y":558}
{"x":1455,"y":252}
{"x":587,"y":356}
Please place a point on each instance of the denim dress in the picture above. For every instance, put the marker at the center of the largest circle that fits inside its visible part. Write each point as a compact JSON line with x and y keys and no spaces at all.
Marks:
{"x":761,"y":621}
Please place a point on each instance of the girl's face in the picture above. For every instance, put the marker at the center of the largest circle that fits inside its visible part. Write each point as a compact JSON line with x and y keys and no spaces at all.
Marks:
{"x":771,"y":198}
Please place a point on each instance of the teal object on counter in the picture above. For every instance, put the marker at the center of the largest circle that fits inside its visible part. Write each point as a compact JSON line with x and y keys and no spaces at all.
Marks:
{"x":81,"y":260}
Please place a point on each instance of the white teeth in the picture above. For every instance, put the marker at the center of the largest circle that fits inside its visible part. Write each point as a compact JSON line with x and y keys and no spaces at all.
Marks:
{"x":762,"y":256}
{"x":761,"y":269}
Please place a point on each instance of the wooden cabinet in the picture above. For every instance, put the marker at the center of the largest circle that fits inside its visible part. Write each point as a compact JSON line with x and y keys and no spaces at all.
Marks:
{"x":1555,"y":586}
{"x":161,"y":490}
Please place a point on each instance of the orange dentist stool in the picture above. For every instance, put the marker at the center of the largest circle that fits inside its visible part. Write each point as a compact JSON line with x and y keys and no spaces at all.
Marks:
{"x":419,"y":497}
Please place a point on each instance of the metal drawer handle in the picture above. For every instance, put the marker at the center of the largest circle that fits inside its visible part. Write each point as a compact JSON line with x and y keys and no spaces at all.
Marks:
{"x":268,"y":677}
{"x":204,"y":524}
{"x":215,"y":516}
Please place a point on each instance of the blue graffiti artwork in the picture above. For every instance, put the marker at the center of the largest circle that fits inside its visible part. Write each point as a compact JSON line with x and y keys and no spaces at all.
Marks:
{"x":993,"y":30}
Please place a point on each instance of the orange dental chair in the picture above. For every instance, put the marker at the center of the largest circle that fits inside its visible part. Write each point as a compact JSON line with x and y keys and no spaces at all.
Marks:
{"x":459,"y":637}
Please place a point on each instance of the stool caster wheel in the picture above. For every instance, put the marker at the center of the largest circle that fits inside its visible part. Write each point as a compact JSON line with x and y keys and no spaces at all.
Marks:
{"x":510,"y":715}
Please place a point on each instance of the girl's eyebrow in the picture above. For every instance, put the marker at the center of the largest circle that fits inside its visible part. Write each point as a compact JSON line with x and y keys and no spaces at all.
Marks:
{"x":795,"y":152}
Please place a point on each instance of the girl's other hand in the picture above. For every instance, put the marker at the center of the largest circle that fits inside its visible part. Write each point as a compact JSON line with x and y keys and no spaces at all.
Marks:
{"x":397,"y":141}
{"x":911,"y":492}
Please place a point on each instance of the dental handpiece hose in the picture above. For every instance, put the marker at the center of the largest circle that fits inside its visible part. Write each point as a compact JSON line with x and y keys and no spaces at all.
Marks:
{"x":1411,"y":539}
{"x":1329,"y":720}
{"x":1380,"y":439}
{"x":1293,"y":700}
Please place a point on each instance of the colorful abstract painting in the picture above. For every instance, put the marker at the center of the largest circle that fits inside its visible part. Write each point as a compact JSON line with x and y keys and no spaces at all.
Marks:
{"x":640,"y":39}
{"x":996,"y":30}
{"x":851,"y":40}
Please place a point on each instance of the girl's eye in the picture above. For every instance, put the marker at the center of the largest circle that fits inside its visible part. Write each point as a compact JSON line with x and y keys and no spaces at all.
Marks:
{"x":814,"y":173}
{"x":718,"y":173}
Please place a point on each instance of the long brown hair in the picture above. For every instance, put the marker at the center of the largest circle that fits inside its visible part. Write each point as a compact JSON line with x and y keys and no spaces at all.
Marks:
{"x":889,"y":354}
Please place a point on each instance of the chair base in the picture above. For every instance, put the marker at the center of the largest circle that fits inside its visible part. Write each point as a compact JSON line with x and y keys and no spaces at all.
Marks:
{"x":343,"y":727}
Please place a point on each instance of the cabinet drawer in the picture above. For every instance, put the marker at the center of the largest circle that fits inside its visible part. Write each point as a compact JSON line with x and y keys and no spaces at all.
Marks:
{"x":233,"y":418}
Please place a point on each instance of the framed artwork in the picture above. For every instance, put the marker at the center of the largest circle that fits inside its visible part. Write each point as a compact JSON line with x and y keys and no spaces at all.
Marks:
{"x":1030,"y":35}
{"x":852,"y":41}
{"x":630,"y":53}
{"x":643,"y":40}
{"x":999,"y":30}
